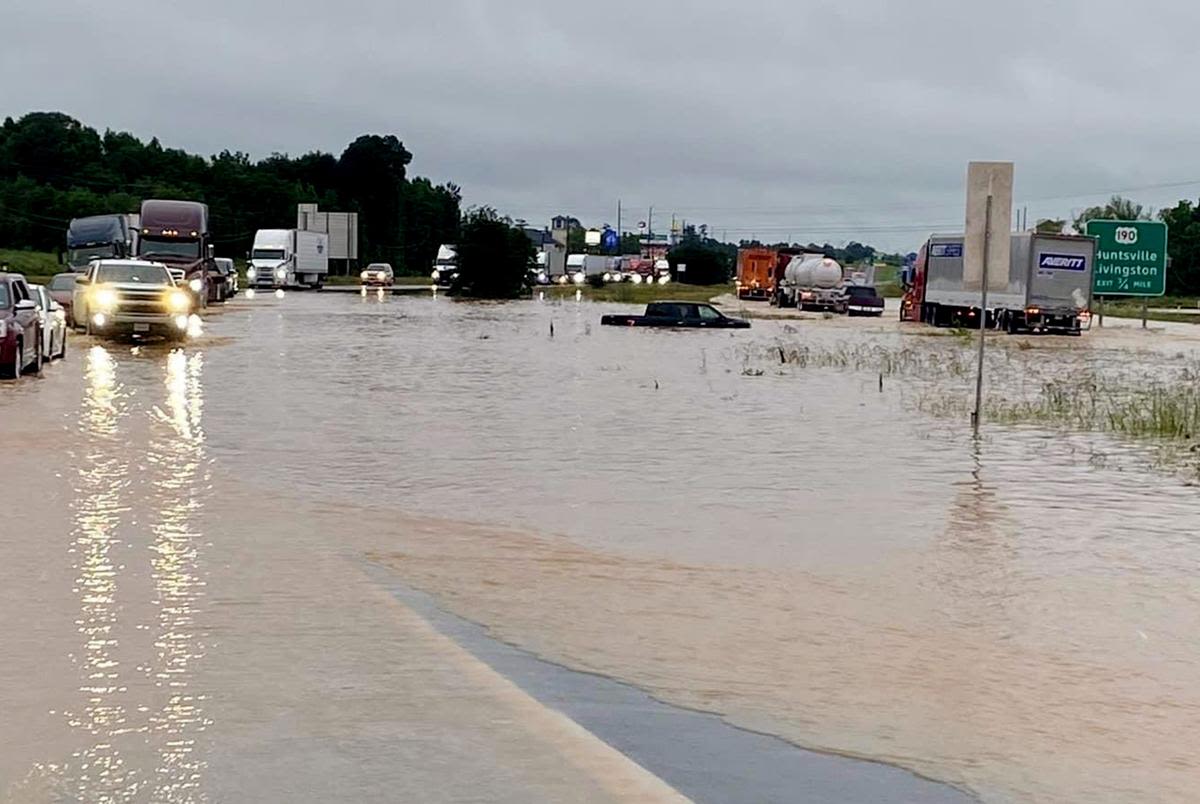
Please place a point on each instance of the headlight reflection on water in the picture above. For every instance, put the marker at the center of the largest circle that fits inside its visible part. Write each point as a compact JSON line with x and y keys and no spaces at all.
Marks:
{"x":102,"y":474}
{"x":179,"y":487}
{"x":140,"y":715}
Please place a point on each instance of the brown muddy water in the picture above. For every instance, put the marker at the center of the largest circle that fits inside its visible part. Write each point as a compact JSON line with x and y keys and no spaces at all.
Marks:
{"x":760,"y":533}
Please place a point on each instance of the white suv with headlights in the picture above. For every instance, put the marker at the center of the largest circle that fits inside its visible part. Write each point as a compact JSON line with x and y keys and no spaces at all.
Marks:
{"x":131,"y":297}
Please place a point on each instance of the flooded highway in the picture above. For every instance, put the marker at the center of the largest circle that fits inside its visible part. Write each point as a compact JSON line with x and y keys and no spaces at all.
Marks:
{"x":790,"y":527}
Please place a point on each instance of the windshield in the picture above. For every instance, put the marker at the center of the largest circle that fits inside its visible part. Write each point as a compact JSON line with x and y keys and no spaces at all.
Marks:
{"x":36,"y":294}
{"x":866,"y":293}
{"x":79,"y":257}
{"x":147,"y":274}
{"x":268,"y":254}
{"x":151,"y":247}
{"x":63,"y":282}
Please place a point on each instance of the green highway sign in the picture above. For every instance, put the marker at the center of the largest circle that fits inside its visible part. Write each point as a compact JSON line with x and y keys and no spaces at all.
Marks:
{"x":1131,"y":258}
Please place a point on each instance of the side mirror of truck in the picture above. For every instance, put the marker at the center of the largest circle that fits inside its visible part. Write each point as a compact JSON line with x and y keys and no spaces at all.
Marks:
{"x":212,"y":251}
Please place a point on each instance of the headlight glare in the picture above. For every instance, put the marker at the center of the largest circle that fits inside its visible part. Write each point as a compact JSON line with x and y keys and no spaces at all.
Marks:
{"x":178,"y":301}
{"x":104,"y":298}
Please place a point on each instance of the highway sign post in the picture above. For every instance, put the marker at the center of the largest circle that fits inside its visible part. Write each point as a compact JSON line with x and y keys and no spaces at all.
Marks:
{"x":986,"y":247}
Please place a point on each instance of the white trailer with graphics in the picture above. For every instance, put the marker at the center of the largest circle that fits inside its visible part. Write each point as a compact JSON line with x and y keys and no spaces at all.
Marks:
{"x":1048,"y":287}
{"x":1057,"y":271}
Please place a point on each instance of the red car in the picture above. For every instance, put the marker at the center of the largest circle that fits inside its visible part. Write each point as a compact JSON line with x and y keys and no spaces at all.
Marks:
{"x":20,"y":328}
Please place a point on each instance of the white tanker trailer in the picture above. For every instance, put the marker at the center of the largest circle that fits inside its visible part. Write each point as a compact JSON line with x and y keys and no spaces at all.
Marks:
{"x":811,"y":282}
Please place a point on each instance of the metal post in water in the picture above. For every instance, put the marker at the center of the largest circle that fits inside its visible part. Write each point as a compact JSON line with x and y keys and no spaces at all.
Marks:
{"x":987,"y":242}
{"x":1145,"y":312}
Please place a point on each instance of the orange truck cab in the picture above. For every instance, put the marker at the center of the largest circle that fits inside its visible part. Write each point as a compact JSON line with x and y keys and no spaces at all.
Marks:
{"x":756,"y":268}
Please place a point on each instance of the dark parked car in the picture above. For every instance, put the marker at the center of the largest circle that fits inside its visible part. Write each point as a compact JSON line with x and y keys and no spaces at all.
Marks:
{"x":20,"y":328}
{"x":677,"y":314}
{"x":861,"y":300}
{"x":62,"y":290}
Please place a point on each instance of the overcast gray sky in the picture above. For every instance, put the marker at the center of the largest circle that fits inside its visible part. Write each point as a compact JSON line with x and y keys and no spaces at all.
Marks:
{"x":809,"y":120}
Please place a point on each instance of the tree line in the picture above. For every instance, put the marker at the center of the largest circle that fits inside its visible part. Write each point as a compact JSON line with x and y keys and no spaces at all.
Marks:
{"x":54,"y":168}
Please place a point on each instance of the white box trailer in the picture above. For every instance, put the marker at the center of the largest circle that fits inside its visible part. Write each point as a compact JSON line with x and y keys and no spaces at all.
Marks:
{"x":1057,"y":270}
{"x":1048,"y":286}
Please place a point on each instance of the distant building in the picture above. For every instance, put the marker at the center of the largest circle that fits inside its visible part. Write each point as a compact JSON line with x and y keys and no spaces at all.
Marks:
{"x":565,"y":222}
{"x":539,"y":237}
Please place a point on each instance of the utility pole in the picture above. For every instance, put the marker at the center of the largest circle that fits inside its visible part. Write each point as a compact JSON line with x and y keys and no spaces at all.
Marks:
{"x":650,"y":225}
{"x":987,"y":243}
{"x":620,"y":234}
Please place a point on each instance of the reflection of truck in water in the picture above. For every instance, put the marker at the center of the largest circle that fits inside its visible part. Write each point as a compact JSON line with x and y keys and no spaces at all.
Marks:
{"x":1048,"y":287}
{"x":100,"y":237}
{"x":445,"y":267}
{"x":812,"y":281}
{"x":176,"y":234}
{"x":288,"y":258}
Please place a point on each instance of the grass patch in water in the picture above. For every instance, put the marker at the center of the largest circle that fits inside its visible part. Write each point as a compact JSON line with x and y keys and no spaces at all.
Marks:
{"x":1141,"y":404}
{"x":629,"y":293}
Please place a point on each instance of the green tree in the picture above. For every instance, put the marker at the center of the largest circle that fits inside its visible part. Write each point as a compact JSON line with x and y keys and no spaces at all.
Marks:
{"x":708,"y":262}
{"x":1117,"y":209}
{"x":1183,"y":247}
{"x":494,"y":257}
{"x":372,"y":171}
{"x":631,"y":244}
{"x":431,"y":218}
{"x":53,"y":168}
{"x":1051,"y":226}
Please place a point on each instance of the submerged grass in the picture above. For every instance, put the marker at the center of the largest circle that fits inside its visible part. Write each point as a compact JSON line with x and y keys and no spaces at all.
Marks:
{"x":1158,"y":402}
{"x":1156,"y":410}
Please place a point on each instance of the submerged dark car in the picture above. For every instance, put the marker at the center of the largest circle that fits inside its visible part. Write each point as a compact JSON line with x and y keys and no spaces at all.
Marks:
{"x":861,"y":300}
{"x":677,"y":314}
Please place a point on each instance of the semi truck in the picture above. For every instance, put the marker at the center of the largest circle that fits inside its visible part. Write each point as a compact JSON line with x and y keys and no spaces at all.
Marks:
{"x":581,"y":266}
{"x":288,"y":258}
{"x":811,"y":281}
{"x":756,"y":273}
{"x":445,"y":266}
{"x":1048,"y":287}
{"x":176,"y":234}
{"x":100,"y":237}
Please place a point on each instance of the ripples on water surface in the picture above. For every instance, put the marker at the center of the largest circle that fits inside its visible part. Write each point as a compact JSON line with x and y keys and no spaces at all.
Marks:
{"x":798,"y":550}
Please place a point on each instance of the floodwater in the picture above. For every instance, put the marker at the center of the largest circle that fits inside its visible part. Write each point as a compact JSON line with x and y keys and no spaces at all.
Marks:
{"x":802,"y":549}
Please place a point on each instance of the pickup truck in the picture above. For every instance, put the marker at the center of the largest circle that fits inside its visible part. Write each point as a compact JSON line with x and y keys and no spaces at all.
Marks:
{"x":131,"y":297}
{"x":677,"y":314}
